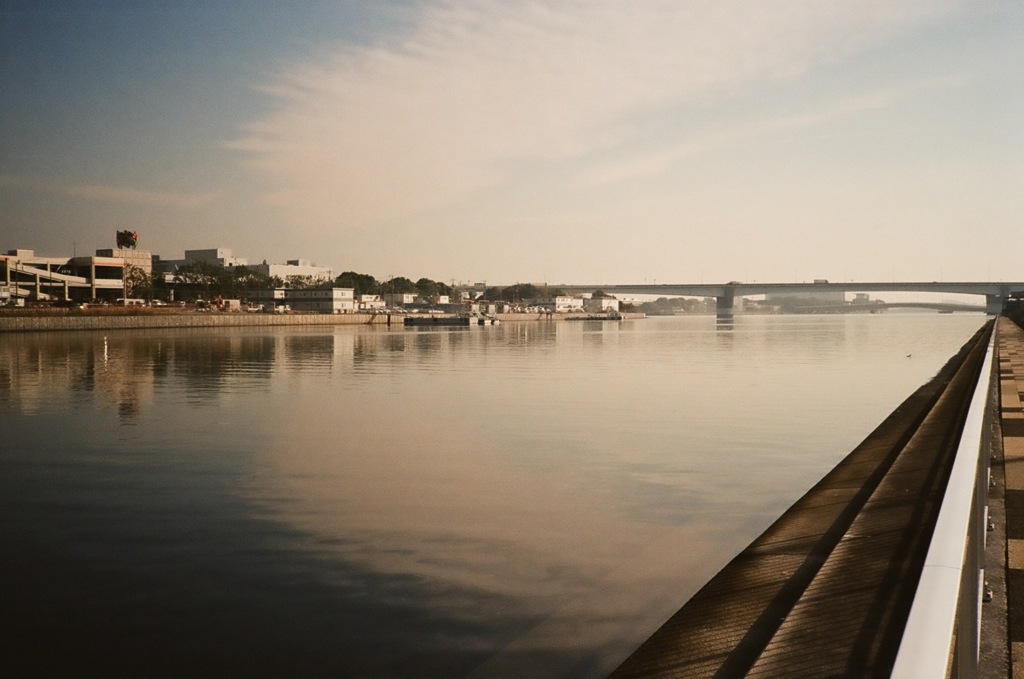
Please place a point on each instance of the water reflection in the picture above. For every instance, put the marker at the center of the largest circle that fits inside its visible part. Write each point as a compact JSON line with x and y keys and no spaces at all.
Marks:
{"x":525,"y":499}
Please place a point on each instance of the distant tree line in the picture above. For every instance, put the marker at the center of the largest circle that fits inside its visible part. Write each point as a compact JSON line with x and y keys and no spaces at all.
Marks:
{"x":519,"y":292}
{"x":200,"y":279}
{"x":365,"y":284}
{"x":204,"y":279}
{"x":669,"y":306}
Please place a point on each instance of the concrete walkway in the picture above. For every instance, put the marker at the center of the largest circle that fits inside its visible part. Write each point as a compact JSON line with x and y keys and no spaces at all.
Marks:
{"x":1011,"y":382}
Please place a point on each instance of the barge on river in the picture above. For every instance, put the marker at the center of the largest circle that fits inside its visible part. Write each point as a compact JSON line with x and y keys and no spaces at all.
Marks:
{"x":449,"y":320}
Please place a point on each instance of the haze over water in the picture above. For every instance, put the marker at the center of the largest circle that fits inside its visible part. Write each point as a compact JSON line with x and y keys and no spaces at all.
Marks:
{"x":356,"y":501}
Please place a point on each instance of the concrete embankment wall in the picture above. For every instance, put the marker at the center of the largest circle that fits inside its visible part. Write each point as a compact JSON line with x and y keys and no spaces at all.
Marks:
{"x":218,"y":320}
{"x":198,"y":320}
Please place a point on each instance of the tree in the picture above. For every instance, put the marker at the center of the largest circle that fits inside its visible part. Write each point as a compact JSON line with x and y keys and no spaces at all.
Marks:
{"x":158,"y":285}
{"x":246,"y":278}
{"x":202,"y":278}
{"x":521,"y":291}
{"x":137,"y":283}
{"x":361,"y":283}
{"x":305,"y":282}
{"x":401,"y":284}
{"x":198,"y":273}
{"x":429,"y":289}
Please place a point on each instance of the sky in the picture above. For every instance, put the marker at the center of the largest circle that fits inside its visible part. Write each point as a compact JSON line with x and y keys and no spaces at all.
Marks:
{"x":579,"y":142}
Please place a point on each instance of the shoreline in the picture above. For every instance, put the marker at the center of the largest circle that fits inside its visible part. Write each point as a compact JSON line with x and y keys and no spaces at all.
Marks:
{"x":69,"y":322}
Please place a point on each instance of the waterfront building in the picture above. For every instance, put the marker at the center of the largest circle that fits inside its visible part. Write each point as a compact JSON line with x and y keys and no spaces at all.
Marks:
{"x":222,"y":257}
{"x":601,"y":304}
{"x":329,"y":301}
{"x":24,"y":274}
{"x":295,"y":269}
{"x":371,"y":303}
{"x":396,"y":299}
{"x":324,"y":301}
{"x":291,"y":271}
{"x":139,"y":259}
{"x":559,"y":305}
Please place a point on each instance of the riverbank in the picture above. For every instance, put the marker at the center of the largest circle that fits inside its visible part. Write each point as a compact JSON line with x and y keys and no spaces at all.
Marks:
{"x":121,"y":319}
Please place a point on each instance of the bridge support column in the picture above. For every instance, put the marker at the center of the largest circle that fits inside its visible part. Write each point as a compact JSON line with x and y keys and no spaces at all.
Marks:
{"x":994,"y":304}
{"x":724,"y":307}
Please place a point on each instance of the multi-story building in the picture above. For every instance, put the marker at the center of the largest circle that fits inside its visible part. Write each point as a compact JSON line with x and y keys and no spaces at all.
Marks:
{"x":295,"y":269}
{"x":24,"y":274}
{"x":394,"y":299}
{"x":292,"y":272}
{"x":601,"y":304}
{"x":222,"y":257}
{"x":370,"y":302}
{"x":328,"y":301}
{"x":324,"y":301}
{"x":559,"y":305}
{"x":140,"y":259}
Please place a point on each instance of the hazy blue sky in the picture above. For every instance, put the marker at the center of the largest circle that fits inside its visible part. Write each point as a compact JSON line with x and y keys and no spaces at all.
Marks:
{"x":563,"y":141}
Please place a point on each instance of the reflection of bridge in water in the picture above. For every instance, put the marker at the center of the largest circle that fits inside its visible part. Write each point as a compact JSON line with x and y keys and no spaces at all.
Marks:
{"x":995,"y":293}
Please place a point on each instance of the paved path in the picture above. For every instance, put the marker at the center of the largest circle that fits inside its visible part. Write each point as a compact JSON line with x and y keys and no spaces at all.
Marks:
{"x":1011,"y":382}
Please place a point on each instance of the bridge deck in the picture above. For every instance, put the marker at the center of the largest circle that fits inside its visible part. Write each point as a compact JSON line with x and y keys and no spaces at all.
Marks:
{"x":826,"y":590}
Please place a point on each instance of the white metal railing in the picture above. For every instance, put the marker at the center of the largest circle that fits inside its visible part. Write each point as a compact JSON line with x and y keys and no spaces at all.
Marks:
{"x":941,"y":638}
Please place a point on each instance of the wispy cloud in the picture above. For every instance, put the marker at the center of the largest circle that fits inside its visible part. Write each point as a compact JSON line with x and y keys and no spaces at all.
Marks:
{"x":371,"y":134}
{"x":112,"y":194}
{"x":712,"y":136}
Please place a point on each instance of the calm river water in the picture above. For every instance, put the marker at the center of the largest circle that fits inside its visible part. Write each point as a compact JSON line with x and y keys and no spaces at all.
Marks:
{"x":531,"y":499}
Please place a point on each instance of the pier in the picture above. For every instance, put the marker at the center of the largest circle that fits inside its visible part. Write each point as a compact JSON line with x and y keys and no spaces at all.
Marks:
{"x":903,"y":561}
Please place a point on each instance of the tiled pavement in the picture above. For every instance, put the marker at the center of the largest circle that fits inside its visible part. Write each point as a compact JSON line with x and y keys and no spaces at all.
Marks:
{"x":1011,"y":379}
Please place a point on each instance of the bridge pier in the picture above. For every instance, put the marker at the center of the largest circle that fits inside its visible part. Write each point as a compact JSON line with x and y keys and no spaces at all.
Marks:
{"x":994,"y":304}
{"x":724,"y":306}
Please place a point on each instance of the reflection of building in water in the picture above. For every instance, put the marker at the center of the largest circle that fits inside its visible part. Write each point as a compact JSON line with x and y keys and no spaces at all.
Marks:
{"x":308,"y":352}
{"x":50,"y":372}
{"x":119,"y":371}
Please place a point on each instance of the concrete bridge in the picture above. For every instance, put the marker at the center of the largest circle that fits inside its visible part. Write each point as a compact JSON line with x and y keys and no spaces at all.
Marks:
{"x":995,"y":293}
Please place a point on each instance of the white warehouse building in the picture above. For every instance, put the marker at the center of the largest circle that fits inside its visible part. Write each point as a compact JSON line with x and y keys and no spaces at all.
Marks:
{"x":326,"y":301}
{"x":295,"y":268}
